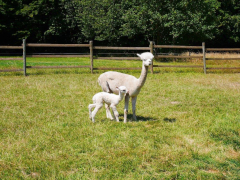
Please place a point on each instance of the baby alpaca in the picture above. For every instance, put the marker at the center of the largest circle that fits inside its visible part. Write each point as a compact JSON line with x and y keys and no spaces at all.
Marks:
{"x":111,"y":100}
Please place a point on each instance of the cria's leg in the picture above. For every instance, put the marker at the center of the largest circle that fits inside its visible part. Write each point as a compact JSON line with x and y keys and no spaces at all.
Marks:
{"x":134,"y":101}
{"x":98,"y":106}
{"x":90,"y":110}
{"x":108,"y":112}
{"x":126,"y":108}
{"x":115,"y":112}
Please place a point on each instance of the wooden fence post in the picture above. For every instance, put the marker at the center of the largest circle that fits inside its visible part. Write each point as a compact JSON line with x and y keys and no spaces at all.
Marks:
{"x":24,"y":58}
{"x":151,"y":50}
{"x":204,"y":58}
{"x":91,"y":55}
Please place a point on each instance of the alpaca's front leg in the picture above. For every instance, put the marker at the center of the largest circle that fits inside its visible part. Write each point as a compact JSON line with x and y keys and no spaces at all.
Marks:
{"x":126,"y":108}
{"x":115,"y":112}
{"x":134,"y":101}
{"x":108,"y":112}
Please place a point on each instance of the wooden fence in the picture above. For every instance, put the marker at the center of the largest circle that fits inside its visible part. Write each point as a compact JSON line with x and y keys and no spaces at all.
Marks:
{"x":217,"y":59}
{"x":11,"y":59}
{"x":55,"y":45}
{"x":151,"y":48}
{"x":182,"y":57}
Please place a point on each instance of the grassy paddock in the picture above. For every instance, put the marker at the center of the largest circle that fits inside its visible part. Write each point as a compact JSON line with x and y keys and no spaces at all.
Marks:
{"x":129,"y":63}
{"x":188,"y":128}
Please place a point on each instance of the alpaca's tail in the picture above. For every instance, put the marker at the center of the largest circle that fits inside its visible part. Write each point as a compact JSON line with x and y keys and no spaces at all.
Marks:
{"x":101,"y":82}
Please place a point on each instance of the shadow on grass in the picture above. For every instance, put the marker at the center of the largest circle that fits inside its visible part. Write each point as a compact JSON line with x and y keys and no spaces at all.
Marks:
{"x":142,"y":118}
{"x":226,"y":136}
{"x":171,"y":120}
{"x":139,"y":118}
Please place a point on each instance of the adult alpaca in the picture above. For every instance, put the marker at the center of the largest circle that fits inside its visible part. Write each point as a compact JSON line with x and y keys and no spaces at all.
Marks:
{"x":110,"y":80}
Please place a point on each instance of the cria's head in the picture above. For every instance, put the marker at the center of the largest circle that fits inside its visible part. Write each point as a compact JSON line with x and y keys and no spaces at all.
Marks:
{"x":146,"y":58}
{"x":122,"y":89}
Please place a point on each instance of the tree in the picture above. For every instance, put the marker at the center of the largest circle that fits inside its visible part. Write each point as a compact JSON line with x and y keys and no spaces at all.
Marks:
{"x":229,"y":23}
{"x":130,"y":23}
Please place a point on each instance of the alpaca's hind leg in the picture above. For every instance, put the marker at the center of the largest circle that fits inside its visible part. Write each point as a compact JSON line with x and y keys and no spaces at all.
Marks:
{"x":108,"y":112}
{"x":90,"y":106}
{"x":126,"y":108}
{"x":134,"y":101}
{"x":98,"y":106}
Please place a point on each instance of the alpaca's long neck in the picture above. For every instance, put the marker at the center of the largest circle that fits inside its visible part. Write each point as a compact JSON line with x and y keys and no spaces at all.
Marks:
{"x":143,"y":76}
{"x":121,"y":95}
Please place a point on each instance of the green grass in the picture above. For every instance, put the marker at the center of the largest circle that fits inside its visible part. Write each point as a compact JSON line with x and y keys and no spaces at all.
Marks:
{"x":188,"y":127}
{"x":129,"y":63}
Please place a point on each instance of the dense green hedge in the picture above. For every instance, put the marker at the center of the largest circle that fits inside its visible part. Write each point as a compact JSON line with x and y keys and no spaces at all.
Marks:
{"x":121,"y":22}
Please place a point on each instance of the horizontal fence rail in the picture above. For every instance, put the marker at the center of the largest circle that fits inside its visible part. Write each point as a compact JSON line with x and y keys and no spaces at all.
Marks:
{"x":117,"y":58}
{"x":55,"y":67}
{"x":10,"y":59}
{"x":222,"y":49}
{"x":134,"y":57}
{"x":180,"y":57}
{"x":178,"y":66}
{"x":55,"y":56}
{"x":56,"y":45}
{"x":121,"y":48}
{"x":103,"y":68}
{"x":222,"y":58}
{"x":177,"y":47}
{"x":224,"y":68}
{"x":11,"y":47}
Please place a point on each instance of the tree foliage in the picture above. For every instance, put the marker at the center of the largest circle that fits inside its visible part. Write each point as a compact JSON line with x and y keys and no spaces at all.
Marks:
{"x":120,"y":22}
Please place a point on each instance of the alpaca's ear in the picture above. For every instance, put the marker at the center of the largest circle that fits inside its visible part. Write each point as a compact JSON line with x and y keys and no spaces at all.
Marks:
{"x":139,"y":55}
{"x":117,"y":88}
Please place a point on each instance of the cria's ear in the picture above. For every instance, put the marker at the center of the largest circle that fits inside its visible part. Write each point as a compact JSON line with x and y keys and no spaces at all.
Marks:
{"x":139,"y":55}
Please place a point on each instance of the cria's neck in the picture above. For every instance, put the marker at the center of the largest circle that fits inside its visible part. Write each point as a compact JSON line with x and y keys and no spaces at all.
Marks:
{"x":120,"y":96}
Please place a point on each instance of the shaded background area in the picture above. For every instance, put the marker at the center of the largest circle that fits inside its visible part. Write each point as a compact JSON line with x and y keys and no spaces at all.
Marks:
{"x":121,"y":23}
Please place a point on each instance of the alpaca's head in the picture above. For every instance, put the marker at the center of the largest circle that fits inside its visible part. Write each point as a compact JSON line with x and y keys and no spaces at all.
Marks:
{"x":122,"y":89}
{"x":146,"y":58}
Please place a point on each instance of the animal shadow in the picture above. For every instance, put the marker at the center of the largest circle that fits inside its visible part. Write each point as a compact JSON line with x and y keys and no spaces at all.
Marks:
{"x":170,"y":120}
{"x":139,"y":118}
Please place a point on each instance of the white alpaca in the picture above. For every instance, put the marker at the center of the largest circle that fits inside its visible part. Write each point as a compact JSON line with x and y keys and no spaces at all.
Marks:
{"x":111,"y":100}
{"x":109,"y":80}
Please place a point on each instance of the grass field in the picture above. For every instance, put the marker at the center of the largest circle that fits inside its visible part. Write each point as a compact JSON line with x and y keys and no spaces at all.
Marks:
{"x":188,"y":127}
{"x":113,"y":63}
